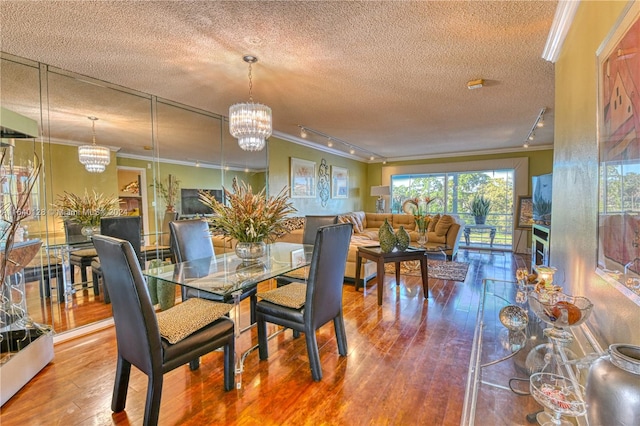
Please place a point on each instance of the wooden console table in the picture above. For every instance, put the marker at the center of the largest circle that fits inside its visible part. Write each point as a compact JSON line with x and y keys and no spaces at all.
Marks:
{"x":479,"y":228}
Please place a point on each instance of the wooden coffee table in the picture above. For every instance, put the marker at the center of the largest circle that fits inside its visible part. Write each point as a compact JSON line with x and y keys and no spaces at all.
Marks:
{"x":375,"y":254}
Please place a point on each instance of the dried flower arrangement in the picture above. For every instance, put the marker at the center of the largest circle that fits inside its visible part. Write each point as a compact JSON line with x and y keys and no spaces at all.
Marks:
{"x":88,"y":209}
{"x":250,"y":217}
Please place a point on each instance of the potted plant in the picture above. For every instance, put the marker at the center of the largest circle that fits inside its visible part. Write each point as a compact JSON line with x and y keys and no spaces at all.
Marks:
{"x":168,"y":190}
{"x":87,"y":210}
{"x":251,"y":219}
{"x":480,"y":207}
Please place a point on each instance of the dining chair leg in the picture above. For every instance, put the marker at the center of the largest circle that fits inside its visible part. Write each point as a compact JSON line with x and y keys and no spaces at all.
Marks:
{"x":341,"y":335}
{"x":229,"y":364}
{"x":253,"y":300}
{"x":123,"y":371}
{"x":263,"y":342}
{"x":154,"y":395}
{"x":314,"y":355}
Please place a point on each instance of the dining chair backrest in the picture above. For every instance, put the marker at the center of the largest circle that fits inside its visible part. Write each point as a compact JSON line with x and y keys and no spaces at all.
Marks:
{"x":137,"y":332}
{"x":125,"y":228}
{"x":326,"y":273}
{"x":71,"y":229}
{"x":311,"y":225}
{"x":190,"y":239}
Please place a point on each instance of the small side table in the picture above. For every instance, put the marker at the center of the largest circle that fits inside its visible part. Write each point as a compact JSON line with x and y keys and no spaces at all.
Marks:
{"x":479,"y":228}
{"x":374,"y":253}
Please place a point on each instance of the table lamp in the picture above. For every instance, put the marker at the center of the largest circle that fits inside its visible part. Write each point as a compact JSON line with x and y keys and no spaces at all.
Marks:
{"x":380,"y":191}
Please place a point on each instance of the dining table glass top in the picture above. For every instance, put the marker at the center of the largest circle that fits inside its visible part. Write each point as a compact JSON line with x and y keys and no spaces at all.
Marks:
{"x":226,"y":273}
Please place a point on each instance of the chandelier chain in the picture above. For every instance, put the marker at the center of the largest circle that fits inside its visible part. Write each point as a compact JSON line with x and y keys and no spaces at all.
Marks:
{"x":250,"y":84}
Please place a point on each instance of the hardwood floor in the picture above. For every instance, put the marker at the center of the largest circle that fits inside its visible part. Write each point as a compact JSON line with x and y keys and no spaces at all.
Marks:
{"x":407,"y":365}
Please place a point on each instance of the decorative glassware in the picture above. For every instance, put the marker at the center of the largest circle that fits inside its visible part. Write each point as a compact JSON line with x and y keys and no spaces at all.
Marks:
{"x":422,"y":238}
{"x":559,"y":396}
{"x":250,"y":251}
{"x":89,"y":231}
{"x":514,"y":317}
{"x":561,"y":311}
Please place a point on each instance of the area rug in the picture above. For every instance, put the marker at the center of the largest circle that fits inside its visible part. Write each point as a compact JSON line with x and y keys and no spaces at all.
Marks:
{"x":438,"y":269}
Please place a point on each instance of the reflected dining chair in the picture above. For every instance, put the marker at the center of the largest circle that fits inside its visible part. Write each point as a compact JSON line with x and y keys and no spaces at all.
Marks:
{"x":157,"y":344}
{"x":126,"y":228}
{"x":306,"y":307}
{"x":162,"y":249}
{"x":311,"y":225}
{"x":190,"y":240}
{"x":81,"y":255}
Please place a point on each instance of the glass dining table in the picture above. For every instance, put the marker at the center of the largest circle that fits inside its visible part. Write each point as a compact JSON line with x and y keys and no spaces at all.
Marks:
{"x":228,"y":276}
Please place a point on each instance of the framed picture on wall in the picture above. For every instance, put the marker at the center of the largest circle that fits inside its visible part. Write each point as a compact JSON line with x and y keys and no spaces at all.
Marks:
{"x":303,"y":178}
{"x":619,"y":154}
{"x":524,"y":212}
{"x":339,"y":182}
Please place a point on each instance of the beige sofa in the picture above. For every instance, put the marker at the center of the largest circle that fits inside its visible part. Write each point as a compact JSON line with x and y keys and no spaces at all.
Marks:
{"x":366,"y":226}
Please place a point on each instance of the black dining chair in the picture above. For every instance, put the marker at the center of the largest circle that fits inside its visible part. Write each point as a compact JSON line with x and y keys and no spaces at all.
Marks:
{"x":190,"y":240}
{"x":126,"y":228}
{"x":306,"y":307}
{"x":82,"y":253}
{"x":311,"y":225}
{"x":144,"y":341}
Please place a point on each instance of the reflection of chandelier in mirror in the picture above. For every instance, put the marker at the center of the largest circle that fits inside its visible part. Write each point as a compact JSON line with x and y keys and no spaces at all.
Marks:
{"x":250,"y":122}
{"x":94,"y":157}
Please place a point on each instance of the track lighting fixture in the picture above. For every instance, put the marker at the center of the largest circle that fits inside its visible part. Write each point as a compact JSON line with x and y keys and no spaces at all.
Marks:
{"x":539,"y":122}
{"x":305,"y":133}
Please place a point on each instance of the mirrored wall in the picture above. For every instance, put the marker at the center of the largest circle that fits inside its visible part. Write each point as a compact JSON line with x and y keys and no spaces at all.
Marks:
{"x":161,"y":153}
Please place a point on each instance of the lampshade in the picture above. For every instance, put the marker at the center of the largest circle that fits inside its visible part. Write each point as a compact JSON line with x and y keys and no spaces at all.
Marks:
{"x":250,"y":122}
{"x":95,"y":158}
{"x":379,"y":191}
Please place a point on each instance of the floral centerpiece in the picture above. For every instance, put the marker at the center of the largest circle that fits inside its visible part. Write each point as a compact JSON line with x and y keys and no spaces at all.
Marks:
{"x":87,"y":210}
{"x":251,"y":219}
{"x":418,"y":207}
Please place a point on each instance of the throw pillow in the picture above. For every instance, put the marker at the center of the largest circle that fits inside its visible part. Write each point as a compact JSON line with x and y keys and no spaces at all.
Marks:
{"x":188,"y":317}
{"x":357,"y":223}
{"x":433,"y":222}
{"x":291,"y":295}
{"x":443,"y":225}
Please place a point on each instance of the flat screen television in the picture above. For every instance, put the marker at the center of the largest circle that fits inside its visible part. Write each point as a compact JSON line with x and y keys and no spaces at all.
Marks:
{"x":191,"y":204}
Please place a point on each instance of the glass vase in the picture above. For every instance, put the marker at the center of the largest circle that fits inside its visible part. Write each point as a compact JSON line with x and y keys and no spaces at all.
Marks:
{"x":422,"y":237}
{"x":88,"y":231}
{"x":250,"y":251}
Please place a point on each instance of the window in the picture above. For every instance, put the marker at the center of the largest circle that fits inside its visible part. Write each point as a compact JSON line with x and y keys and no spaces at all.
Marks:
{"x":452,"y":193}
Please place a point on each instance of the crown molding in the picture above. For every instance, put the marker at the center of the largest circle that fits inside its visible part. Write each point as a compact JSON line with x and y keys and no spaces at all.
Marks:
{"x":565,"y":12}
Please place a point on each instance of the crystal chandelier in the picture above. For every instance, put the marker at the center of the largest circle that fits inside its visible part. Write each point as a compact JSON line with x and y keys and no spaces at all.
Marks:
{"x":94,"y":157}
{"x":250,"y":122}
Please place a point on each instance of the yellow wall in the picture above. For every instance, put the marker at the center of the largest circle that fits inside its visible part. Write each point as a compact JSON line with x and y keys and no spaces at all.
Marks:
{"x":575,"y":177}
{"x":280,"y":153}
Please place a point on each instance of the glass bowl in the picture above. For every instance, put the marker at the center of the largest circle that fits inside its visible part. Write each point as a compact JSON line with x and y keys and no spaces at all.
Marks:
{"x":559,"y":396}
{"x":561,"y":311}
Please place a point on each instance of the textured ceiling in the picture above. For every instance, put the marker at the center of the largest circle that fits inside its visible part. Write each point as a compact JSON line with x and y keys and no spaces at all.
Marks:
{"x":388,"y":77}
